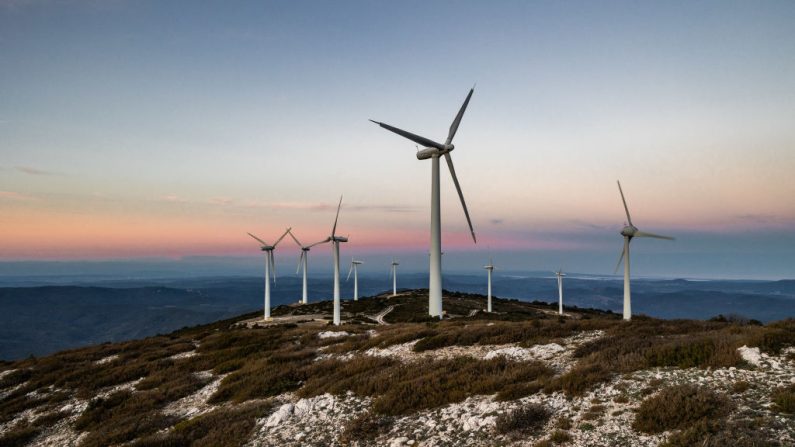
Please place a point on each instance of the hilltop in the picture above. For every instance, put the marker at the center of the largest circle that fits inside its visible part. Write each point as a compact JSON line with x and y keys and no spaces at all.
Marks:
{"x":390,"y":375}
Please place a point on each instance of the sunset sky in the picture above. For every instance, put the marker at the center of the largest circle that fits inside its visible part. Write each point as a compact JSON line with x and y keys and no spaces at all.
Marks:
{"x":147,"y":129}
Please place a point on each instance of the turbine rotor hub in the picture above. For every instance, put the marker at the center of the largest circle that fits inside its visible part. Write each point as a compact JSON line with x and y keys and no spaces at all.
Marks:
{"x":629,"y":231}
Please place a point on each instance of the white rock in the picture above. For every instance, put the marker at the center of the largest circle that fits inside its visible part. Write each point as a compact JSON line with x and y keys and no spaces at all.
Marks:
{"x":282,"y":414}
{"x":750,"y":355}
{"x":332,"y":334}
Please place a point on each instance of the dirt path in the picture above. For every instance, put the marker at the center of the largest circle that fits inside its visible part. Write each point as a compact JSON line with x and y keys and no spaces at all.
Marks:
{"x":380,"y":317}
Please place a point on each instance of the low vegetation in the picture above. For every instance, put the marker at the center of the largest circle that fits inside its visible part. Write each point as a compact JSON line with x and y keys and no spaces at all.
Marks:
{"x":524,"y":420}
{"x":365,"y":428}
{"x":784,"y":398}
{"x":680,"y":407}
{"x":225,"y":427}
{"x":138,"y":379}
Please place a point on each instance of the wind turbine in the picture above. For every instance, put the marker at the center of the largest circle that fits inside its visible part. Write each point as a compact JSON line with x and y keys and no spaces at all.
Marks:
{"x":393,"y":274}
{"x":303,"y":260}
{"x":629,"y":231}
{"x":335,"y":241}
{"x":270,"y":269}
{"x":560,"y":276}
{"x":434,"y":150}
{"x":489,"y":268}
{"x":354,"y":264}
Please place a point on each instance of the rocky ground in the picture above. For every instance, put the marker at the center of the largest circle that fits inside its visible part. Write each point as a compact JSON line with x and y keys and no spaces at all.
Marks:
{"x":601,"y":415}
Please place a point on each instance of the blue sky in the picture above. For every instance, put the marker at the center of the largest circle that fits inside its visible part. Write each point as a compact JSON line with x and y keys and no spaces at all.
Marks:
{"x":137,"y":129}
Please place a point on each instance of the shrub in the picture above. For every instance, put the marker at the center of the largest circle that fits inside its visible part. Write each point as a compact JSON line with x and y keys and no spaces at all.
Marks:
{"x":365,"y":427}
{"x":678,"y":407}
{"x":720,"y":433}
{"x":525,"y":420}
{"x":223,"y":427}
{"x":515,"y":391}
{"x":784,"y":398}
{"x":19,"y":435}
{"x":580,"y":378}
{"x":560,"y":436}
{"x":563,"y":423}
{"x":740,"y":386}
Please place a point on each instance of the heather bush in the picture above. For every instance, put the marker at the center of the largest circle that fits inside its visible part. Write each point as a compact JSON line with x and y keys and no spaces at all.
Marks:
{"x":679,"y":407}
{"x":525,"y":420}
{"x":365,"y":427}
{"x":784,"y":398}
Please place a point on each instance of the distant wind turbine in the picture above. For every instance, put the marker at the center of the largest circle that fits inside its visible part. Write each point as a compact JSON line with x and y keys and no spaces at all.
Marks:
{"x":489,"y":268}
{"x":355,"y":270}
{"x":393,"y":274}
{"x":303,"y":261}
{"x":629,"y":231}
{"x":270,"y":269}
{"x":434,"y":150}
{"x":335,"y":243}
{"x":559,"y":274}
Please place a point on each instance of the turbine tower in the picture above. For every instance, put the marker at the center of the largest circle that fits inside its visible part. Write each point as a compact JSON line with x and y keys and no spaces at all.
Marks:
{"x":489,"y":268}
{"x":434,"y":150}
{"x":270,"y":269}
{"x":335,"y":241}
{"x":355,"y":270}
{"x":393,"y":274}
{"x":303,"y":261}
{"x":630,"y":231}
{"x":559,"y":274}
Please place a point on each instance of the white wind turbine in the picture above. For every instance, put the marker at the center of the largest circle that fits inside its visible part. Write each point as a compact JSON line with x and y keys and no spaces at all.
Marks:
{"x":559,"y":274}
{"x":393,"y":274}
{"x":489,"y":268}
{"x":629,"y":231}
{"x":303,"y":261}
{"x":270,"y":269}
{"x":335,"y":241}
{"x":355,"y":270}
{"x":434,"y":150}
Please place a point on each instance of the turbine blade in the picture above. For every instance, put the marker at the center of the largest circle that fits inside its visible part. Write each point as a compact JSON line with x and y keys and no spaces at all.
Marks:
{"x":282,"y":237}
{"x":295,"y":239}
{"x":460,"y":194}
{"x":629,"y":219}
{"x":258,"y":239}
{"x":334,"y":229}
{"x":350,"y":270}
{"x":656,"y":236}
{"x":415,"y":138}
{"x":273,"y":265}
{"x":328,"y":239}
{"x":300,"y":259}
{"x":457,"y":120}
{"x":620,"y":259}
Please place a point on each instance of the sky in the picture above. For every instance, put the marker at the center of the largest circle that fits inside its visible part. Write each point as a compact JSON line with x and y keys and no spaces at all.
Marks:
{"x":169,"y":129}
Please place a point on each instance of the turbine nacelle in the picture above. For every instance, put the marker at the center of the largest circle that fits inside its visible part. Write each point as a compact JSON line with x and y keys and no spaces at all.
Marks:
{"x":339,"y":239}
{"x":629,"y":231}
{"x":430,"y":152}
